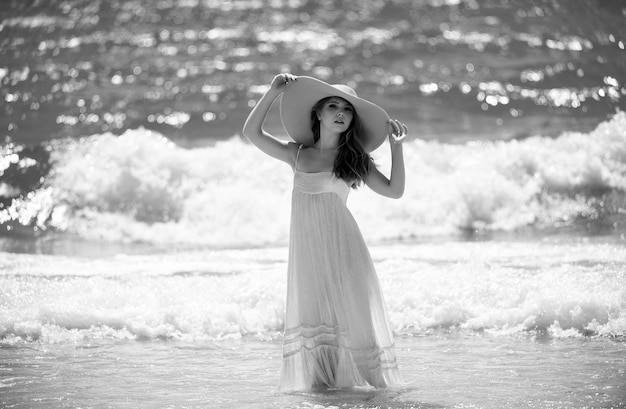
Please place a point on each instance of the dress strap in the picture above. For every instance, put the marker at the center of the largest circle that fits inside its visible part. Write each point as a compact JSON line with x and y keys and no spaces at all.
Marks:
{"x":297,"y":156}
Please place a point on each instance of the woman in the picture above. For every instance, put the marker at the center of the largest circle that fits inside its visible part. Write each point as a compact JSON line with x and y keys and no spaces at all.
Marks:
{"x":336,"y":329}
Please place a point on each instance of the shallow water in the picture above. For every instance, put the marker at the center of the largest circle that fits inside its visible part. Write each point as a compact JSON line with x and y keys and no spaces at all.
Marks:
{"x":442,"y":371}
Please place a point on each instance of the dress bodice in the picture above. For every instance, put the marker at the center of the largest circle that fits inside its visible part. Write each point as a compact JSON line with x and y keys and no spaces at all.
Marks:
{"x":320,"y":182}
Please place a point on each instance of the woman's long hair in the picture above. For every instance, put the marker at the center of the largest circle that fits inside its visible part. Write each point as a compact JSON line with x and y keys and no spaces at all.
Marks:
{"x":352,"y":163}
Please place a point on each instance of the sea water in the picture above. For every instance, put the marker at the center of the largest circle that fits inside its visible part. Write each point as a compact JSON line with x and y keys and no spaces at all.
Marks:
{"x":452,"y":69}
{"x":537,"y":324}
{"x":143,"y":242}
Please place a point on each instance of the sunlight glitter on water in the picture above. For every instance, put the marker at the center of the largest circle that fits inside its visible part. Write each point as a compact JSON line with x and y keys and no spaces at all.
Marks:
{"x":87,"y":51}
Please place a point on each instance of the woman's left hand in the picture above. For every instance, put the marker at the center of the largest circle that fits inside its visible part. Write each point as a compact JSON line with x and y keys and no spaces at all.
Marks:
{"x":398,"y":132}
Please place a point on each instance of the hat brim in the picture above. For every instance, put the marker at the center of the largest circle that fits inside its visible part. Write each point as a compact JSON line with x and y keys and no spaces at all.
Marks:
{"x":301,"y":95}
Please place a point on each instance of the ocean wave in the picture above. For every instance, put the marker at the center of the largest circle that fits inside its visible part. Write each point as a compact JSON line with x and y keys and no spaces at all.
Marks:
{"x":536,"y":182}
{"x":500,"y":289}
{"x":141,"y":187}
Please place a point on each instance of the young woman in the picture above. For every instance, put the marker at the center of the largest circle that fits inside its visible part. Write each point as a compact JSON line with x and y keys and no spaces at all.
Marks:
{"x":337,"y":333}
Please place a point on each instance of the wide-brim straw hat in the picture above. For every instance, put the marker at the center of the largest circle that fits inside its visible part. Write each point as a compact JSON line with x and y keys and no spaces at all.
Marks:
{"x":301,"y":95}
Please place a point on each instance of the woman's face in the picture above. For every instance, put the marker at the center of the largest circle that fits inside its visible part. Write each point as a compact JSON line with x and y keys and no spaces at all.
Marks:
{"x":336,"y":115}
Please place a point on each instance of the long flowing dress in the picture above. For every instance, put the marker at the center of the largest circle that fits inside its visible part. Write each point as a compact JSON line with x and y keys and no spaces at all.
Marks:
{"x":337,"y":333}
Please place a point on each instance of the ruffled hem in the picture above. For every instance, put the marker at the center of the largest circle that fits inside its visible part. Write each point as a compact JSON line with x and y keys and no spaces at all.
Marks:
{"x":320,"y":358}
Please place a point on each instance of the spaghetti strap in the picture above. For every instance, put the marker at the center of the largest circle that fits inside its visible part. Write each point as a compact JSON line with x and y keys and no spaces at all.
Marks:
{"x":297,"y":156}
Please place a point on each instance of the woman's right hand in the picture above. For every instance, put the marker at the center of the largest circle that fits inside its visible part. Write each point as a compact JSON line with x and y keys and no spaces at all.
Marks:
{"x":279,"y":83}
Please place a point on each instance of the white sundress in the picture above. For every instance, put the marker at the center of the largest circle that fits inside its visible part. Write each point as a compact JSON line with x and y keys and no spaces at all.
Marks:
{"x":337,"y":333}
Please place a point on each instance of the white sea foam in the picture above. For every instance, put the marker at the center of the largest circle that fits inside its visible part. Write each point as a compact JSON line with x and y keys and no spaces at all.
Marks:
{"x":141,"y":187}
{"x":502,"y":288}
{"x":502,"y":185}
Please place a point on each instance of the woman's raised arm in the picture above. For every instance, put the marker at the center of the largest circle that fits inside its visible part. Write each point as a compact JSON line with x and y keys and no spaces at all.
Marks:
{"x":253,"y":128}
{"x":394,"y":186}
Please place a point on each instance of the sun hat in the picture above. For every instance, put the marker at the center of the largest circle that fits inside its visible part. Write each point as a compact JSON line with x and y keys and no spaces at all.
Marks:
{"x":301,"y":95}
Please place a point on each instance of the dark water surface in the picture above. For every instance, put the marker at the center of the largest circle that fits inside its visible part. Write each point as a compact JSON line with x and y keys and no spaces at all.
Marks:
{"x":454,"y":69}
